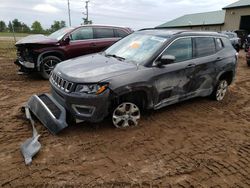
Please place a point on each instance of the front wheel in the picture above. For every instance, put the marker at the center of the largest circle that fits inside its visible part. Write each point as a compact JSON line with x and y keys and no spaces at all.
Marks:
{"x":125,"y":115}
{"x":48,"y":64}
{"x":220,"y":90}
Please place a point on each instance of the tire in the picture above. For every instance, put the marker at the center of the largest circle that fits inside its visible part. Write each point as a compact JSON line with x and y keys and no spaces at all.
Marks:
{"x":220,"y":90}
{"x":126,"y":114}
{"x":237,"y":48}
{"x":47,"y":65}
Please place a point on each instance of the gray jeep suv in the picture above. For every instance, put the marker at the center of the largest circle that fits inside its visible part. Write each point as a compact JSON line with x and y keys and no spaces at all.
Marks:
{"x":148,"y":69}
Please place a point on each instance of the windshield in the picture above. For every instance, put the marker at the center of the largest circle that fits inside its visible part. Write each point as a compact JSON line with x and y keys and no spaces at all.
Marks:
{"x":60,"y":33}
{"x":136,"y":47}
{"x":230,"y":35}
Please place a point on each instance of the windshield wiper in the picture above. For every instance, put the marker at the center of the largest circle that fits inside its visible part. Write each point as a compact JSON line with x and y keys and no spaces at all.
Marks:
{"x":115,"y":56}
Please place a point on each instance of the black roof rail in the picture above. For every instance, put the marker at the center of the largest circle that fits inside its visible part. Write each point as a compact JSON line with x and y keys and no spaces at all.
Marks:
{"x":146,"y":29}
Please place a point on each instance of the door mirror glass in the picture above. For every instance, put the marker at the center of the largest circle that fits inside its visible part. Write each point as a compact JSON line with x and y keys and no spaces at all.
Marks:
{"x":166,"y":59}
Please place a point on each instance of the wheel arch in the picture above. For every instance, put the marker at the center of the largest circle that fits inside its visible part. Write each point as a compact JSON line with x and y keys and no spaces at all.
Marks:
{"x":56,"y":53}
{"x":227,"y":75}
{"x":139,"y":94}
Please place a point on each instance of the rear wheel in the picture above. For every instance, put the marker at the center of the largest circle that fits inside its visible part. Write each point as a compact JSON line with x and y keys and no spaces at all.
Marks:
{"x":125,"y":115}
{"x":220,"y":90}
{"x":48,"y":64}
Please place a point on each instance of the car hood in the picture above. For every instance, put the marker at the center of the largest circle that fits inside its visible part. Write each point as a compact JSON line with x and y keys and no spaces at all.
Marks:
{"x":36,"y":39}
{"x":93,"y":68}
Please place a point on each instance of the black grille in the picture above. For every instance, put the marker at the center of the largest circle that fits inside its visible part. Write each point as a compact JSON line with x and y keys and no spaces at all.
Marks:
{"x":52,"y":107}
{"x":61,"y":83}
{"x":24,"y":54}
{"x":18,"y":53}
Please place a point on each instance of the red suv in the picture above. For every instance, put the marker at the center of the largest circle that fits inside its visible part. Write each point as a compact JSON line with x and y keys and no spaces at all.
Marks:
{"x":41,"y":53}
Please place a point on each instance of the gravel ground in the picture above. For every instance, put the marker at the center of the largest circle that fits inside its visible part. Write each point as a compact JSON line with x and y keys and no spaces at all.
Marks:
{"x":197,"y":143}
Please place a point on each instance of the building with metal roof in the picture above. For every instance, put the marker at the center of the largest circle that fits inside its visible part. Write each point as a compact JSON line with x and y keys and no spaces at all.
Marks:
{"x":199,"y":19}
{"x":235,"y":16}
{"x":238,"y":4}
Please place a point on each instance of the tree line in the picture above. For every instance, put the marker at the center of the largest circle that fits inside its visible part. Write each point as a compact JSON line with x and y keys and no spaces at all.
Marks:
{"x":36,"y":27}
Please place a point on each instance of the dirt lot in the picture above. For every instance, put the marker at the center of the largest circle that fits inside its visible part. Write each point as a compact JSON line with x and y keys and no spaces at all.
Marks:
{"x":198,"y":143}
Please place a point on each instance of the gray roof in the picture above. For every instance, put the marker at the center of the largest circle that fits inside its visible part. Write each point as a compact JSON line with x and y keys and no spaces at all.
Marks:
{"x":241,"y":3}
{"x":206,"y":18}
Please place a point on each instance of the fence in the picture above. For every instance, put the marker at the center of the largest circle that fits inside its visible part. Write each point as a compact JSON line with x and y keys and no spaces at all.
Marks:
{"x":7,"y":48}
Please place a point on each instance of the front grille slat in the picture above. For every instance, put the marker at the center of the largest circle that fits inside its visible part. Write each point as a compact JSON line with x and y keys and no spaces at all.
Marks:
{"x":61,"y":83}
{"x":52,"y":107}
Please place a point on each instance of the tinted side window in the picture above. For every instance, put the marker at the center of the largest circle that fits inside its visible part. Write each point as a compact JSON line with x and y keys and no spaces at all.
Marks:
{"x":204,"y":46}
{"x":82,"y":34}
{"x":121,"y":33}
{"x":181,"y":49}
{"x":104,"y":33}
{"x":227,"y":43}
{"x":219,"y":44}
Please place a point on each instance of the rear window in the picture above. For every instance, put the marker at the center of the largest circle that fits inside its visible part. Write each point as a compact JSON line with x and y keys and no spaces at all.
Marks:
{"x":226,"y":43}
{"x":104,"y":33}
{"x":121,"y":33}
{"x":204,"y":46}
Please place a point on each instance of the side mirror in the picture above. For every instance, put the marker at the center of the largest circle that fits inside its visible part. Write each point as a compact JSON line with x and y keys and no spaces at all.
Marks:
{"x":66,"y":40}
{"x":166,"y":59}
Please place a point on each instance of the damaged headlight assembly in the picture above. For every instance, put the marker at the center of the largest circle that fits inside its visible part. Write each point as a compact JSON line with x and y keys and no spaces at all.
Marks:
{"x":91,"y":88}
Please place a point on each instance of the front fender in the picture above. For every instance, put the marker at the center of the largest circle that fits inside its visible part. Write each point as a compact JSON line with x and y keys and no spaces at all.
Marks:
{"x":149,"y":91}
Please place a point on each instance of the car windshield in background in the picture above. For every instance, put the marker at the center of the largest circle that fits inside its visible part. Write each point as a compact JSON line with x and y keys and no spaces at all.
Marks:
{"x":230,"y":35}
{"x":136,"y":48}
{"x":60,"y":33}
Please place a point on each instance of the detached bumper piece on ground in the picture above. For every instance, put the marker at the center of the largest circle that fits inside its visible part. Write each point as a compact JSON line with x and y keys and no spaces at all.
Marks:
{"x":31,"y":146}
{"x":50,"y":113}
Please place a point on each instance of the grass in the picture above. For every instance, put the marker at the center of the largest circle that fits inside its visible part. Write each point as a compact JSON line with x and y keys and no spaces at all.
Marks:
{"x":7,"y":34}
{"x":7,"y":49}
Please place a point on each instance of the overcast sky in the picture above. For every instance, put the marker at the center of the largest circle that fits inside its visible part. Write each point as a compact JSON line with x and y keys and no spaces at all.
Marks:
{"x":132,"y":13}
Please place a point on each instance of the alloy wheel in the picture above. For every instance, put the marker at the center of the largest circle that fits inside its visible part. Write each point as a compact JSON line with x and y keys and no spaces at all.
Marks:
{"x":126,"y":115}
{"x":49,"y":65}
{"x":221,"y":90}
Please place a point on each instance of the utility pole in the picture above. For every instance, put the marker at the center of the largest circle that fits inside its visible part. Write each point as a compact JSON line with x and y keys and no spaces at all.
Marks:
{"x":87,"y":10}
{"x":69,"y":14}
{"x":86,"y":19}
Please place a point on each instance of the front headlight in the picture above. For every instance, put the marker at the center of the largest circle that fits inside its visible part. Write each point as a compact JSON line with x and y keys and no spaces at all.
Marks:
{"x":91,"y":88}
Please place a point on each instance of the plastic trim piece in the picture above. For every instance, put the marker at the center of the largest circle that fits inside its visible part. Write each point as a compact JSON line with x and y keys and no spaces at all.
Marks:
{"x":43,"y":113}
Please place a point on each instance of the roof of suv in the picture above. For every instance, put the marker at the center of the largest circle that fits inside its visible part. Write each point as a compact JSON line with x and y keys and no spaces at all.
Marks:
{"x":170,"y":32}
{"x":100,"y":25}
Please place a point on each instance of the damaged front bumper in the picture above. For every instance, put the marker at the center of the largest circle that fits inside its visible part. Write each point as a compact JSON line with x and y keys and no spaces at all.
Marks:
{"x":25,"y":64}
{"x":48,"y":111}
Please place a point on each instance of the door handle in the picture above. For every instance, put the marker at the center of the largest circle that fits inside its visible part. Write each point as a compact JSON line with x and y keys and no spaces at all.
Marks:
{"x":219,"y":58}
{"x":191,"y":66}
{"x":93,"y":44}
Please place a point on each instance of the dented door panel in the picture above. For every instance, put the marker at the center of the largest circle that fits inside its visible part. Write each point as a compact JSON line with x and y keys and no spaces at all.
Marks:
{"x":172,"y":82}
